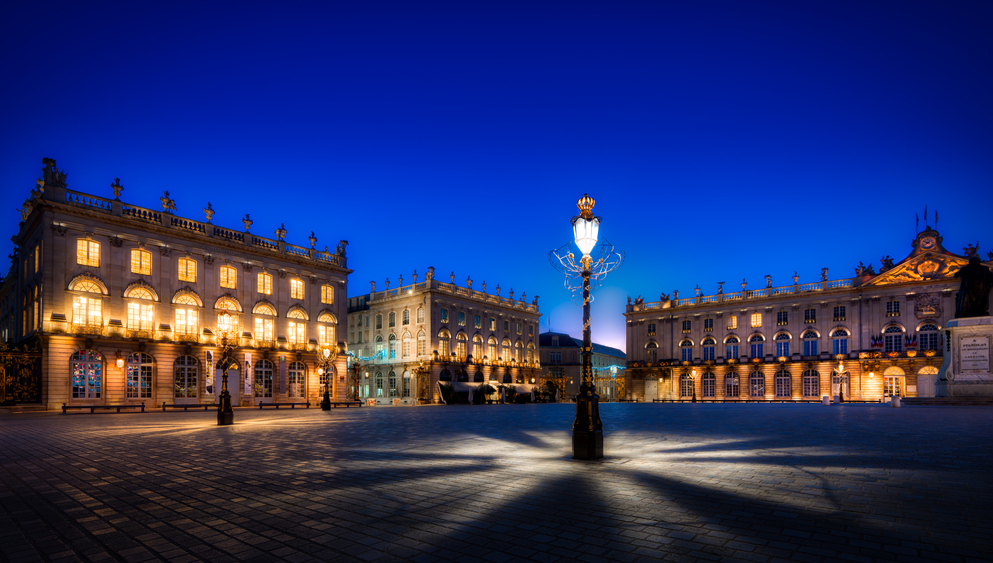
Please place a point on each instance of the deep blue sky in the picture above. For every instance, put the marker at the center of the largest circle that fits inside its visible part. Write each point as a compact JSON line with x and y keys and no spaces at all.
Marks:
{"x":721,"y":140}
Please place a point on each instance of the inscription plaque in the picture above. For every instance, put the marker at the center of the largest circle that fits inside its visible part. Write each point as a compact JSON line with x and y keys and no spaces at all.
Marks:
{"x":974,"y":353}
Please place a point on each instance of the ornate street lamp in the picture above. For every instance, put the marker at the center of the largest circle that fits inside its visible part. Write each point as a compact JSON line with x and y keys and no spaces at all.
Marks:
{"x":581,"y":279}
{"x":226,"y":332}
{"x":326,"y":354}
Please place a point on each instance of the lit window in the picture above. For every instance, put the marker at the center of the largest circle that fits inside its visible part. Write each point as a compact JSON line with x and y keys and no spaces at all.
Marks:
{"x":141,"y":262}
{"x":709,"y":384}
{"x":87,"y":374}
{"x":140,"y":316}
{"x":505,"y":349}
{"x":444,"y":315}
{"x":519,"y":351}
{"x":893,"y":386}
{"x":422,"y":343}
{"x":685,"y":385}
{"x":263,"y":378}
{"x":393,"y":346}
{"x":87,"y":310}
{"x":405,"y":344}
{"x":327,"y":294}
{"x":477,"y":346}
{"x":379,"y":384}
{"x":491,"y":348}
{"x":444,"y":343}
{"x":296,"y":380}
{"x":731,"y":386}
{"x":186,"y":322}
{"x":477,"y":321}
{"x":492,"y":324}
{"x":187,"y":270}
{"x":263,"y":330}
{"x":732,"y":322}
{"x":265,"y":283}
{"x":296,"y":328}
{"x":296,"y":289}
{"x":811,"y":383}
{"x":139,"y":376}
{"x":460,"y":345}
{"x":325,"y":334}
{"x":87,"y":253}
{"x":783,"y":384}
{"x":756,"y":320}
{"x":229,"y":277}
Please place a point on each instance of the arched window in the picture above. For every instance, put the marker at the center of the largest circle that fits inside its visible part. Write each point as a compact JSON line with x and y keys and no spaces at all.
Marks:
{"x":478,"y":378}
{"x":139,"y":292}
{"x":140,"y":312}
{"x":757,"y":343}
{"x":461,"y":341}
{"x":380,"y":347}
{"x":506,"y":376}
{"x":731,"y":387}
{"x":185,"y":377}
{"x":393,"y":319}
{"x":756,"y":382}
{"x":491,"y":348}
{"x":263,"y":378}
{"x":928,"y":336}
{"x":520,"y":377}
{"x":444,"y":343}
{"x":264,"y":325}
{"x":893,"y":338}
{"x":87,"y":310}
{"x":297,"y":326}
{"x":406,"y":384}
{"x":462,"y":376}
{"x":686,"y":385}
{"x":893,"y":382}
{"x":393,"y":384}
{"x":731,"y":347}
{"x":422,"y":343}
{"x":811,"y":383}
{"x":445,"y":375}
{"x":87,"y":374}
{"x":531,"y":352}
{"x":709,"y":384}
{"x":326,"y":323}
{"x":296,"y":379}
{"x":139,"y":376}
{"x":839,"y":341}
{"x":783,"y":344}
{"x":686,"y":350}
{"x":709,"y":347}
{"x":783,"y":384}
{"x":406,"y":316}
{"x":393,"y":347}
{"x":652,"y":352}
{"x":505,"y":349}
{"x":518,"y":351}
{"x":420,"y":314}
{"x":379,"y":384}
{"x":405,"y":344}
{"x":186,"y":316}
{"x":809,"y":343}
{"x":477,"y":348}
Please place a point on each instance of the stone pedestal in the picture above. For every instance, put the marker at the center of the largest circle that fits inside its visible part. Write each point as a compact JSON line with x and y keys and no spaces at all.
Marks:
{"x":967,"y":370}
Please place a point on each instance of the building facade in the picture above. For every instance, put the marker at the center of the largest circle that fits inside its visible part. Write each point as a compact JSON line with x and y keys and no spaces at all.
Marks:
{"x":868,"y":338}
{"x":125,"y":302}
{"x":407,"y":339}
{"x":562,"y":364}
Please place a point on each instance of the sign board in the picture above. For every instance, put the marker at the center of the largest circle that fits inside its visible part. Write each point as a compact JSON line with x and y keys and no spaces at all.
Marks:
{"x":370,"y":402}
{"x":396,"y":402}
{"x":974,"y":353}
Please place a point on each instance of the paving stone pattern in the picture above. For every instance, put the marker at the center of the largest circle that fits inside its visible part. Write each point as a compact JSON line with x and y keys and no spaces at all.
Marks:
{"x":682,"y":482}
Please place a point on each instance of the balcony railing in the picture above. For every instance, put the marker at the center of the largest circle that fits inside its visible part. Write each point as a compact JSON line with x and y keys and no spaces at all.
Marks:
{"x":742,"y":295}
{"x":91,"y":329}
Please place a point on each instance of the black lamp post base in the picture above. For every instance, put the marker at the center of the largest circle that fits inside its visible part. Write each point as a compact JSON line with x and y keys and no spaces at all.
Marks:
{"x":587,"y":444}
{"x":326,"y":403}
{"x":225,"y":418}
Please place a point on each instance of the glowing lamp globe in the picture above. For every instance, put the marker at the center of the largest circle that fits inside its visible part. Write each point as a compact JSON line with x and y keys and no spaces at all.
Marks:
{"x":586,"y":227}
{"x":326,"y":352}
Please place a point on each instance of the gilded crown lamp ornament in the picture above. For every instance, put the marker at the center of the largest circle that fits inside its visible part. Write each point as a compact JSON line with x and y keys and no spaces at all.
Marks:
{"x":598,"y":259}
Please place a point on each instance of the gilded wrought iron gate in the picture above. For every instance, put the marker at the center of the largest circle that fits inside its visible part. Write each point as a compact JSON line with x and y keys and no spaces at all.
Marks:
{"x":20,"y":374}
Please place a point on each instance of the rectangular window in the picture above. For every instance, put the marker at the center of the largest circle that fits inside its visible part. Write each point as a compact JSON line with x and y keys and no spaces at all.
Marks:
{"x":139,"y":380}
{"x":782,"y":318}
{"x":531,"y":330}
{"x":420,"y":314}
{"x":809,"y":347}
{"x":520,"y":329}
{"x":686,"y":326}
{"x":506,"y":326}
{"x":325,"y":334}
{"x":327,"y":294}
{"x":732,"y":351}
{"x":296,"y":289}
{"x":893,"y":386}
{"x":461,"y":318}
{"x":187,"y":270}
{"x":756,"y":320}
{"x":839,"y":313}
{"x":444,"y":315}
{"x":186,"y":321}
{"x":810,"y":315}
{"x":87,"y":253}
{"x":893,"y":343}
{"x":783,"y":348}
{"x":492,"y":324}
{"x":757,"y":349}
{"x":229,"y":277}
{"x":892,"y":308}
{"x":141,"y":262}
{"x":265,"y":283}
{"x":732,"y":322}
{"x":708,"y":325}
{"x":87,"y":311}
{"x":708,"y":352}
{"x":651,"y":329}
{"x":139,"y":316}
{"x":263,"y":330}
{"x":686,"y":353}
{"x":477,"y":321}
{"x":37,"y":257}
{"x":296,"y":335}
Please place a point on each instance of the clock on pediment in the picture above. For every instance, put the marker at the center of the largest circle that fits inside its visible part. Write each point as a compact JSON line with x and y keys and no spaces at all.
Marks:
{"x":928,"y":243}
{"x":927,"y":240}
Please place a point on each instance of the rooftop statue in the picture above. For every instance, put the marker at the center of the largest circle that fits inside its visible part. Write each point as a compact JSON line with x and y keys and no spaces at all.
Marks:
{"x":117,"y":187}
{"x":209,"y":212}
{"x":52,"y":175}
{"x":973,"y":298}
{"x":168,"y":204}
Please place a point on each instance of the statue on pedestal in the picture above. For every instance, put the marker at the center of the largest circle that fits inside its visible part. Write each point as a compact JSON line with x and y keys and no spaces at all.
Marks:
{"x":973,"y":298}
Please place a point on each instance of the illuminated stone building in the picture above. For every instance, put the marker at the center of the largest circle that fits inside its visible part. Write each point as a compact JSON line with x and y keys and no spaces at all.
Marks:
{"x":125,"y":300}
{"x":870,"y":337}
{"x":562,"y":364}
{"x":409,"y":338}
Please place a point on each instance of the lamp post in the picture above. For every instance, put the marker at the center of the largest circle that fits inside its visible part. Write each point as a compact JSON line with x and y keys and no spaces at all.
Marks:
{"x":581,"y":279}
{"x":326,"y":354}
{"x":226,"y":332}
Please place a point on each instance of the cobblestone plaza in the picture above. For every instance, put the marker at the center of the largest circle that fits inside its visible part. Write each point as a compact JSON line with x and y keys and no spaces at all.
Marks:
{"x":680,"y":482}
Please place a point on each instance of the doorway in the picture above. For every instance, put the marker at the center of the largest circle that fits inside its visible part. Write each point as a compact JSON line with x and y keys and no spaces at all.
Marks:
{"x":651,"y":388}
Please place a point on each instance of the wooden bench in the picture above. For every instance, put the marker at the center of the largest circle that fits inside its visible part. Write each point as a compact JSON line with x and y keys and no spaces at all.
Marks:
{"x":277,"y":405}
{"x":188,"y":406}
{"x":346,"y":404}
{"x":93,"y":408}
